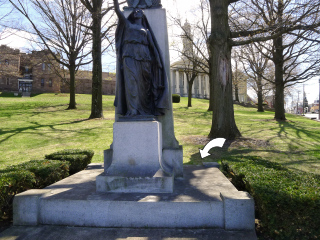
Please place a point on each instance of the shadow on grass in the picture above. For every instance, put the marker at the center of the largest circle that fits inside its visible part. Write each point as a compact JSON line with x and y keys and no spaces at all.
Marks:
{"x":284,"y":125}
{"x":37,"y":126}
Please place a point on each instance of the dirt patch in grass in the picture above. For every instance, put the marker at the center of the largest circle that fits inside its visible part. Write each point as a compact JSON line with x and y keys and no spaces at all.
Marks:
{"x":196,"y":139}
{"x":248,"y":143}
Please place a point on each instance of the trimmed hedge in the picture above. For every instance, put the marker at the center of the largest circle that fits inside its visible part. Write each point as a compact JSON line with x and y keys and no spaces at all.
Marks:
{"x":33,"y":174}
{"x":78,"y":159}
{"x":175,"y":98}
{"x":287,"y":202}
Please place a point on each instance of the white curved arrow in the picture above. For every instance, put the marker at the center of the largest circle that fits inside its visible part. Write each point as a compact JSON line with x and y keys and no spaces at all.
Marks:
{"x":217,"y":142}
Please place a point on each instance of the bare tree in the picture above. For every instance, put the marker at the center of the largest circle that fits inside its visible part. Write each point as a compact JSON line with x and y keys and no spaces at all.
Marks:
{"x":239,"y":77}
{"x":193,"y":50}
{"x":246,"y":28}
{"x":293,"y":26}
{"x":6,"y":11}
{"x":95,"y":7}
{"x":61,"y":32}
{"x":190,"y":61}
{"x":259,"y":70}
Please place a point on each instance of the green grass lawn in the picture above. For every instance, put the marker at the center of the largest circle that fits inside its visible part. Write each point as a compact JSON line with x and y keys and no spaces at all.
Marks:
{"x":33,"y":127}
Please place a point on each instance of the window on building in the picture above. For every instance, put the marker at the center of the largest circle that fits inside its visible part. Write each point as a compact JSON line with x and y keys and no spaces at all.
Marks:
{"x":8,"y":81}
{"x":50,"y":83}
{"x":43,"y":66}
{"x":49,"y":66}
{"x":42,"y":82}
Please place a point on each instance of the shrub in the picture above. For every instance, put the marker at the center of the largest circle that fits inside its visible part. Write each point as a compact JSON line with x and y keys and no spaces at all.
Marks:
{"x":12,"y":183}
{"x":175,"y":98}
{"x":32,"y":174}
{"x":287,"y":202}
{"x":78,"y":159}
{"x":47,"y":172}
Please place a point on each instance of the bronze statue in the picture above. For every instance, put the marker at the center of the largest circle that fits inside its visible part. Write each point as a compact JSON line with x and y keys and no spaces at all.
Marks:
{"x":142,"y":86}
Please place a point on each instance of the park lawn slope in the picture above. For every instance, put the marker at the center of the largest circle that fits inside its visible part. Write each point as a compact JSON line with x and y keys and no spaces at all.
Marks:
{"x":33,"y":127}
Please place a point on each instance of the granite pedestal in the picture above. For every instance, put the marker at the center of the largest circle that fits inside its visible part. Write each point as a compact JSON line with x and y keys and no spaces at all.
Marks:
{"x":134,"y":164}
{"x":204,"y":198}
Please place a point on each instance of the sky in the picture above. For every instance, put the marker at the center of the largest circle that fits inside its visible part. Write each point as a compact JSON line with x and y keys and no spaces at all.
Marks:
{"x":174,"y":8}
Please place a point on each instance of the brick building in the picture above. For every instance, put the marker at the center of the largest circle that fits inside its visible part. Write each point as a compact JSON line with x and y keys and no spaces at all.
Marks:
{"x":27,"y":73}
{"x":84,"y":83}
{"x":34,"y":73}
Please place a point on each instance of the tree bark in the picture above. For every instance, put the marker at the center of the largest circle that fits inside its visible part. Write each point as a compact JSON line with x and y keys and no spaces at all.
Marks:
{"x":260,"y":95}
{"x":236,"y":92}
{"x":278,"y":59}
{"x":72,"y":102}
{"x":96,"y":104}
{"x":190,"y":93}
{"x":279,"y":94}
{"x":223,"y":122}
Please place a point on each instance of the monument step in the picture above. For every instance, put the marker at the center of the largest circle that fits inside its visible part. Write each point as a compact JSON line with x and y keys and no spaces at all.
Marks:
{"x":160,"y":182}
{"x":203,"y":198}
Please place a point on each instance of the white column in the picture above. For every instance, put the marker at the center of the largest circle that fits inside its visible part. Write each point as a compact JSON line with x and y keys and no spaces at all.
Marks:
{"x":185,"y":88}
{"x":199,"y":77}
{"x":177,"y":82}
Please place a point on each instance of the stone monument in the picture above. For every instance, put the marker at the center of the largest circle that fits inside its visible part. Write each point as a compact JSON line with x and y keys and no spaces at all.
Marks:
{"x":144,"y":156}
{"x":141,"y":183}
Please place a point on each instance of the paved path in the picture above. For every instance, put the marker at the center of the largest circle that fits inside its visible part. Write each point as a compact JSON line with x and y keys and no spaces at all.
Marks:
{"x":84,"y":233}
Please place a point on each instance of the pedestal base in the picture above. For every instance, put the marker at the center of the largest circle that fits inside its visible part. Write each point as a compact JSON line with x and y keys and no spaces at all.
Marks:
{"x":205,"y":198}
{"x":159,"y":183}
{"x":137,"y":149}
{"x":136,"y":164}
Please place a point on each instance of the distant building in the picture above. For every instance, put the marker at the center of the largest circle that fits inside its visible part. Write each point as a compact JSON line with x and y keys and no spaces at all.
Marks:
{"x":84,"y":83}
{"x":182,"y":67}
{"x":179,"y":84}
{"x":34,"y":73}
{"x":26,"y":73}
{"x":314,"y":108}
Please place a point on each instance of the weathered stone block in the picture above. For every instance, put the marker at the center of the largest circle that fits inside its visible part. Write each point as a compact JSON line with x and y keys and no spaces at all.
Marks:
{"x":238,"y":210}
{"x":26,"y":207}
{"x":159,"y":183}
{"x":137,"y":149}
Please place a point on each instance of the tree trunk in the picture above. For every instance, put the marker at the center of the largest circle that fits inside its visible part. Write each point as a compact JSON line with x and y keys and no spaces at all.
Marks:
{"x":190,"y":83}
{"x":210,"y":94}
{"x":96,"y":105}
{"x":72,"y":72}
{"x":223,"y":122}
{"x":279,"y":95}
{"x":236,"y":92}
{"x":210,"y":80}
{"x":259,"y":93}
{"x":278,"y":60}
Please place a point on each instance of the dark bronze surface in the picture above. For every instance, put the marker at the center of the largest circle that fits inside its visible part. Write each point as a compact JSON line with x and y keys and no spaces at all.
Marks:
{"x":142,"y":85}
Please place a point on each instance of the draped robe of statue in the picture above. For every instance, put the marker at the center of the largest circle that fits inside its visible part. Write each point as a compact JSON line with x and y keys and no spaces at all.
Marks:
{"x":142,"y":85}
